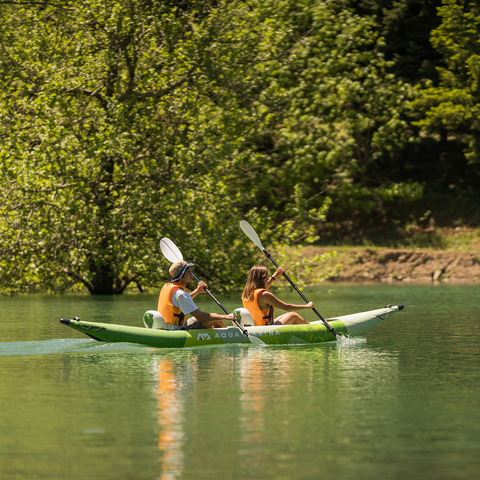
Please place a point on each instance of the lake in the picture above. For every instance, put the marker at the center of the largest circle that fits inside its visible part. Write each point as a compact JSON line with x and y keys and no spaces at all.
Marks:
{"x":401,"y":403}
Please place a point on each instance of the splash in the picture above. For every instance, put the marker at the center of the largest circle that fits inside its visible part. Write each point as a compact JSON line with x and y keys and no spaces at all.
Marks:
{"x":347,"y":341}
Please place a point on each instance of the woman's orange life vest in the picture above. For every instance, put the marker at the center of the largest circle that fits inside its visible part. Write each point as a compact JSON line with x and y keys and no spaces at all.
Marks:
{"x":170,"y":312}
{"x":260,"y":317}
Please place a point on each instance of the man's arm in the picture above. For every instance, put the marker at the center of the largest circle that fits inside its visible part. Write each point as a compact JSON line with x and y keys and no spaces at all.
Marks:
{"x":185,"y":303}
{"x":200,"y":289}
{"x":211,"y":317}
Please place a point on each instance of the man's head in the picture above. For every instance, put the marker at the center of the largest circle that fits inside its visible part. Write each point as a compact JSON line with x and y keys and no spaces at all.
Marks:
{"x":178,"y":270}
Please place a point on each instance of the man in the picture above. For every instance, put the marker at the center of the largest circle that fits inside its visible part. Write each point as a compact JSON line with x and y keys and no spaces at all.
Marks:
{"x":175,"y":302}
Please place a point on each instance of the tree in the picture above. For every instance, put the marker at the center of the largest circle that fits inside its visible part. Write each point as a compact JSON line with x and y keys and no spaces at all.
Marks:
{"x":453,"y":106}
{"x":106,"y":144}
{"x":125,"y":122}
{"x":406,"y":27}
{"x":333,"y":118}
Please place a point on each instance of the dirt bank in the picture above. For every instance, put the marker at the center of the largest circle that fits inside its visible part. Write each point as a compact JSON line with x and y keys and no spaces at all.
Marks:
{"x":389,"y":265}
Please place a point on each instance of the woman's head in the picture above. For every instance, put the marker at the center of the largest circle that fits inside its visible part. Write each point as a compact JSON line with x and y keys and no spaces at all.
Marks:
{"x":257,"y":278}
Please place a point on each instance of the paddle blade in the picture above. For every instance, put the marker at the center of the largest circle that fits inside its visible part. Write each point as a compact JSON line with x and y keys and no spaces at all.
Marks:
{"x":170,"y":250}
{"x":249,"y":231}
{"x":257,"y":341}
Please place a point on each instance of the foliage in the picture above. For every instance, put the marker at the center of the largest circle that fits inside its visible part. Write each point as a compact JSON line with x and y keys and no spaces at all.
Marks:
{"x":453,"y":106}
{"x":125,"y":122}
{"x":102,"y":140}
{"x":307,"y":270}
{"x":340,"y":113}
{"x":406,"y":26}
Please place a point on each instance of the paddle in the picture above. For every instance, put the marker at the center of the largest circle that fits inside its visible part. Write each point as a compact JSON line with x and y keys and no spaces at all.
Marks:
{"x":173,"y":254}
{"x":249,"y":231}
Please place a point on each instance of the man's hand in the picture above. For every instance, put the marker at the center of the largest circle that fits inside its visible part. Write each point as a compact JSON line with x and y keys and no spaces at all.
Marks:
{"x":200,"y":289}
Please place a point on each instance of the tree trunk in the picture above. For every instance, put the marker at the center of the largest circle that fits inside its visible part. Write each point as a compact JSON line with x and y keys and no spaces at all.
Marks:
{"x":102,"y":281}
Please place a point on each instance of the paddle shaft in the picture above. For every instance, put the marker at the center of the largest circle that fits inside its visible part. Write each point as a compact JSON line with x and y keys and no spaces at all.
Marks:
{"x":300,"y":293}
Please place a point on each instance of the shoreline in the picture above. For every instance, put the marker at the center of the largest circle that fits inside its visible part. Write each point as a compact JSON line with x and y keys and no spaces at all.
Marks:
{"x":388,"y":265}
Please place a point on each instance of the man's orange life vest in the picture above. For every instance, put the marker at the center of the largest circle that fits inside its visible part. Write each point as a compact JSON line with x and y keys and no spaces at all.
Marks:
{"x":170,"y":312}
{"x":260,"y":317}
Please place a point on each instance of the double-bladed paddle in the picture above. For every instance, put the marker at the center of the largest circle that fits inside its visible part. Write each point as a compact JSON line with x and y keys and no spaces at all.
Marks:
{"x":173,"y":254}
{"x":249,"y":231}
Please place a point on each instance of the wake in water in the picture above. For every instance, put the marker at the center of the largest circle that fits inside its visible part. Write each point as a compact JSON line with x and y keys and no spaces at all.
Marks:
{"x":87,"y":345}
{"x":65,"y":345}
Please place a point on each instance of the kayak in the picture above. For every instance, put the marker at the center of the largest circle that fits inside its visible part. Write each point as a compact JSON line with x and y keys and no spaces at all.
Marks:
{"x":350,"y":326}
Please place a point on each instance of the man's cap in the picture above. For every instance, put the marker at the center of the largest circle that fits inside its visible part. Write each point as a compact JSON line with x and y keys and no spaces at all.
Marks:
{"x":178,"y":269}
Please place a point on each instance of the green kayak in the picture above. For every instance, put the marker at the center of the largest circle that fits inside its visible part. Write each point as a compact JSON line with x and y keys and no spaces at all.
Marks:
{"x":353,"y":325}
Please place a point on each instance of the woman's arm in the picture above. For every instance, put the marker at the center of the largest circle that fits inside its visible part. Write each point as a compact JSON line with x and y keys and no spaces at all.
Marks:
{"x":272,"y":278}
{"x":265,"y":299}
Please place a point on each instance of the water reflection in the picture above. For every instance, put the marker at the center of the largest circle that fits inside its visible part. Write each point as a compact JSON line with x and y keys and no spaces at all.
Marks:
{"x":274,"y":398}
{"x":252,"y":387}
{"x":171,"y":408}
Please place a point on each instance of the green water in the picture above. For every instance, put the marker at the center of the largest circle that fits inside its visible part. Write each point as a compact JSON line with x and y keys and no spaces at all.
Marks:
{"x":404,"y":403}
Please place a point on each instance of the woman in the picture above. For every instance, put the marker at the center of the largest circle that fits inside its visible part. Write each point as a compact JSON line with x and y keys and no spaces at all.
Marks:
{"x":261,"y":303}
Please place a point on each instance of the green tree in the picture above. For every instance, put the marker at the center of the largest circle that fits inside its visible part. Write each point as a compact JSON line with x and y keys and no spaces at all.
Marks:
{"x":406,"y":26}
{"x":452,"y":108}
{"x":333,"y":118}
{"x":106,"y":143}
{"x":125,"y":122}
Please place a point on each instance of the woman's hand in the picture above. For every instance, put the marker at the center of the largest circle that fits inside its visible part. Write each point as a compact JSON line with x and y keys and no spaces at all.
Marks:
{"x":280,"y":271}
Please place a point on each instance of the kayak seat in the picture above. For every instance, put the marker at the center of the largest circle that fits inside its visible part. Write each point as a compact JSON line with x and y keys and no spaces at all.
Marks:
{"x":244,"y":317}
{"x":153,"y":319}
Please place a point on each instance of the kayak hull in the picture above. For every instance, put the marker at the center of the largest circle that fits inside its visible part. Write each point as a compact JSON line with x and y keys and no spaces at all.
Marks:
{"x":316,"y":332}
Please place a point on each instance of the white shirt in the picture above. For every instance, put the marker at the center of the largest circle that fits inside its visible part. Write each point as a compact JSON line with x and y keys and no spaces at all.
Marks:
{"x":184,"y":301}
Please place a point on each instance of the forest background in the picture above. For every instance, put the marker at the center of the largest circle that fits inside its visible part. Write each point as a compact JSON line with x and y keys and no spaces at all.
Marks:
{"x":330,"y":122}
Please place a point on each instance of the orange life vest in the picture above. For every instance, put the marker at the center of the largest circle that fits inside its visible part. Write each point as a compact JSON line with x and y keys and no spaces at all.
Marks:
{"x":170,"y":312}
{"x":260,"y":317}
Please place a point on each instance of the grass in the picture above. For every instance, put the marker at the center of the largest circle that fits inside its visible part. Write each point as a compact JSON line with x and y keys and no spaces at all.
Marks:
{"x":459,"y":239}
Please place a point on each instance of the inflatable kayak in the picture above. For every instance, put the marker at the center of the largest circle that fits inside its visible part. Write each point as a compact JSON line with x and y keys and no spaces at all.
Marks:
{"x":353,"y":325}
